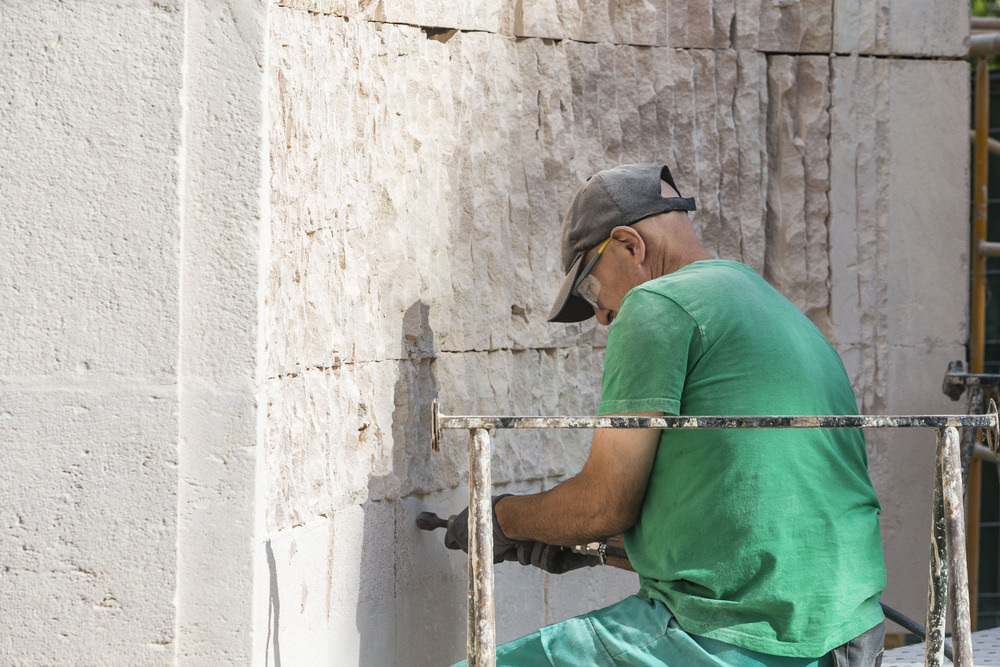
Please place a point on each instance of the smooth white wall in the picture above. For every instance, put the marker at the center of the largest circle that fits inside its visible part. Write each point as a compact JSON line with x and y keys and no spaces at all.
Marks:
{"x":132,"y":175}
{"x":89,"y":134}
{"x":224,"y":167}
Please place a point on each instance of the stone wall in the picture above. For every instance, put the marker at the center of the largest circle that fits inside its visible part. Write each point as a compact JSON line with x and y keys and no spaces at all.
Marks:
{"x":131,"y":179}
{"x":249,"y":242}
{"x":89,"y":315}
{"x":421,"y":158}
{"x":899,"y":242}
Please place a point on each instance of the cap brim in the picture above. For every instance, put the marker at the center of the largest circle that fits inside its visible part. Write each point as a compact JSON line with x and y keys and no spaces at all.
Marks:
{"x":570,"y":308}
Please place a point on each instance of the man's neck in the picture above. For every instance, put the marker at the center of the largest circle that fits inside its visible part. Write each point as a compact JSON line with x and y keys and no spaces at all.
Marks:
{"x":681,"y":257}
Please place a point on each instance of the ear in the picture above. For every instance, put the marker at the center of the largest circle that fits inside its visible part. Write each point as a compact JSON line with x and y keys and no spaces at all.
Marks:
{"x":631,"y":242}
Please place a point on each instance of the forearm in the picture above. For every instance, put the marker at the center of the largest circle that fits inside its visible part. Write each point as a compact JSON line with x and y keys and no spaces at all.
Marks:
{"x":604,"y":499}
{"x":569,"y":514}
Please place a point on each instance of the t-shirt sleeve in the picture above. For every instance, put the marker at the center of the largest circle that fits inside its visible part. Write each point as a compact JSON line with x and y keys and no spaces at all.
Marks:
{"x":651,"y":345}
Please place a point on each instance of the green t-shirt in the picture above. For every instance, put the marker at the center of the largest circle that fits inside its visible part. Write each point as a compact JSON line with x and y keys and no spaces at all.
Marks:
{"x":767,"y":539}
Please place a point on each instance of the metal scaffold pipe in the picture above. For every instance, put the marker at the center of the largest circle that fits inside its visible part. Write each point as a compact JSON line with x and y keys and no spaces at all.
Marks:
{"x":988,"y":249}
{"x":981,"y":46}
{"x":991,"y":144}
{"x":977,"y":308}
{"x":984,"y":23}
{"x":949,"y":462}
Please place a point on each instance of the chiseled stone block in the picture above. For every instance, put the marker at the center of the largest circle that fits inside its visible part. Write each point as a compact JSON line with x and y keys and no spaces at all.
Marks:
{"x":699,"y":25}
{"x":332,"y":443}
{"x":796,"y":261}
{"x":420,"y":259}
{"x":802,"y":26}
{"x":612,"y":21}
{"x":857,"y":222}
{"x":343,"y":436}
{"x":901,"y":27}
{"x":91,"y":219}
{"x":495,"y":16}
{"x":467,"y":228}
{"x":790,"y":26}
{"x":886,"y":210}
{"x":888,"y":27}
{"x":89,"y":521}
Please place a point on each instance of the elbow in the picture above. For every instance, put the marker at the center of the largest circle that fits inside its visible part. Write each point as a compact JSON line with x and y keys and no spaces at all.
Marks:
{"x":615,"y":518}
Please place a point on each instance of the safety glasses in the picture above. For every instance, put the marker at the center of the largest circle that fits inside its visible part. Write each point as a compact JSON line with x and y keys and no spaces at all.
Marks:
{"x":587,"y":287}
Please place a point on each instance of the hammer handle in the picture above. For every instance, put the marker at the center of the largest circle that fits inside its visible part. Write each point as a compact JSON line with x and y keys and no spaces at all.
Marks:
{"x":430,"y":521}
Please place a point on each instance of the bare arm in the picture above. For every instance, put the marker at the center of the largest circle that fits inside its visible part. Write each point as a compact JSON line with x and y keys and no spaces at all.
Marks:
{"x":603,"y":499}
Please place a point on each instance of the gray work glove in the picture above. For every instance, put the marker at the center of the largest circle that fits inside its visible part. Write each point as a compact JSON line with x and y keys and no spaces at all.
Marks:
{"x":553,"y":559}
{"x":457,"y":535}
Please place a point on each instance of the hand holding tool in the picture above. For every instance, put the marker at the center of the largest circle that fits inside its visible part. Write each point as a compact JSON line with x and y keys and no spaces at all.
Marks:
{"x":457,"y":533}
{"x":554,"y":559}
{"x":545,"y":556}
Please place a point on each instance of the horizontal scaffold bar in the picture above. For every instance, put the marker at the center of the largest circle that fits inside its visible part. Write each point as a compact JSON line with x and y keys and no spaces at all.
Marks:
{"x":710,"y":422}
{"x":988,"y":420}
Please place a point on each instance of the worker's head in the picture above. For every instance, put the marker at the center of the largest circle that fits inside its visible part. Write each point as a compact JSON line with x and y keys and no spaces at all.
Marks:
{"x":625,"y":226}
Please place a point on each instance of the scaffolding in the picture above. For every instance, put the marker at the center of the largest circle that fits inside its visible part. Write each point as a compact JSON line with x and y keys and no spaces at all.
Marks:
{"x":948,"y":585}
{"x":981,"y":46}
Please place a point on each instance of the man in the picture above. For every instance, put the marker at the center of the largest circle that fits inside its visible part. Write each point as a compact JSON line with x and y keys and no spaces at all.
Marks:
{"x":753,"y":547}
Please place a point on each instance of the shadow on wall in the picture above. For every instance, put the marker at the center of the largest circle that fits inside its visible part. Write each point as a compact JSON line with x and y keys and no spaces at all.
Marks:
{"x":407,"y":612}
{"x":273,"y":611}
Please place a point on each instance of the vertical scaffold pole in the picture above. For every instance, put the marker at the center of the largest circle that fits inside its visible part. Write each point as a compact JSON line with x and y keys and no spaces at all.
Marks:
{"x":481,"y":646}
{"x":937,"y":589}
{"x":977,"y":306}
{"x":950,"y":463}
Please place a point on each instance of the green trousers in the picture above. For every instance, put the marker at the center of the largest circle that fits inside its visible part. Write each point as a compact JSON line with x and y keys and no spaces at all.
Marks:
{"x":633,"y":632}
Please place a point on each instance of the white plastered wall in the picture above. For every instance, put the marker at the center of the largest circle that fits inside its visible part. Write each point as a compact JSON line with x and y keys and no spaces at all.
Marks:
{"x":131,"y":180}
{"x":89,"y":315}
{"x":224,"y":180}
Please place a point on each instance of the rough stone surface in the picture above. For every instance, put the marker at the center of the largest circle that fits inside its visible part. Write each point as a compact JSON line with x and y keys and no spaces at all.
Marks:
{"x":385,"y":280}
{"x":442,"y":207}
{"x":496,"y":16}
{"x":796,"y":260}
{"x":366,"y":427}
{"x":801,"y":26}
{"x":886,"y":27}
{"x":418,"y":177}
{"x":901,"y":27}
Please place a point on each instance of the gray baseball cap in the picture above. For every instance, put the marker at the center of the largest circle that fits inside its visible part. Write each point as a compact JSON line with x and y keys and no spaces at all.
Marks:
{"x":622,"y":195}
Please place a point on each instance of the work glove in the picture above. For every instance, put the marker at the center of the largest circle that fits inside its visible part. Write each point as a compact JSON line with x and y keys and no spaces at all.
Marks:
{"x":553,"y":559}
{"x":457,"y":535}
